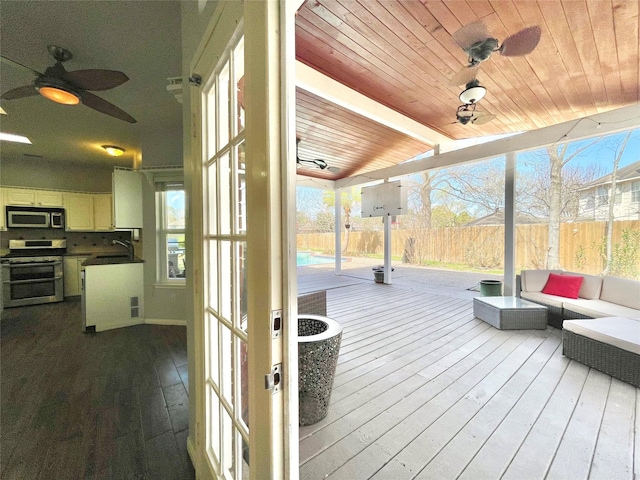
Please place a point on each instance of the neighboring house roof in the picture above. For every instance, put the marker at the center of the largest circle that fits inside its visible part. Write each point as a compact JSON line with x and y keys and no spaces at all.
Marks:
{"x":625,"y":174}
{"x":497,"y":218}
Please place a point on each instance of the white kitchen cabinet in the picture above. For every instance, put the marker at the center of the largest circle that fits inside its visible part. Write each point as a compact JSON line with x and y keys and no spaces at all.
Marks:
{"x":127,"y":199}
{"x":38,"y":198}
{"x":103,"y":212}
{"x":79,"y":212}
{"x":72,"y":275}
{"x":113,"y":295}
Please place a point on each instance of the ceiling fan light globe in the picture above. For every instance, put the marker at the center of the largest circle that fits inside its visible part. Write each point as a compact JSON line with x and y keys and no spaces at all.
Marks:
{"x":473,"y":94}
{"x":113,"y":150}
{"x":59,"y":95}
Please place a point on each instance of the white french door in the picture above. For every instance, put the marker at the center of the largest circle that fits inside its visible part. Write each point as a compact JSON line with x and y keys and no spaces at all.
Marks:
{"x":242,"y":429}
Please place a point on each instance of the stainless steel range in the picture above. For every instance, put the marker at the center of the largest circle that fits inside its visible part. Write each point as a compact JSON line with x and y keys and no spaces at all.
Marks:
{"x":32,"y":272}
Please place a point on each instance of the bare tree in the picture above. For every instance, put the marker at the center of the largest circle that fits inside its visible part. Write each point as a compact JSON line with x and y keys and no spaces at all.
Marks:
{"x":612,"y":200}
{"x":558,"y":158}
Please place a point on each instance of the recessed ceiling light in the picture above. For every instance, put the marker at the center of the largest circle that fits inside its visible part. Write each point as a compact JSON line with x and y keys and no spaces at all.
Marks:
{"x":113,"y":150}
{"x":10,"y":137}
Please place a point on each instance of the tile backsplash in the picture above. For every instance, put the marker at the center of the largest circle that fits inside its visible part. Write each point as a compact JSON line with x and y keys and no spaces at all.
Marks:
{"x":77,"y":242}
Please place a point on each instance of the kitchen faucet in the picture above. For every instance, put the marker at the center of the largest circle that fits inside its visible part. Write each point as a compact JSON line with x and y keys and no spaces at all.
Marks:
{"x":126,"y":244}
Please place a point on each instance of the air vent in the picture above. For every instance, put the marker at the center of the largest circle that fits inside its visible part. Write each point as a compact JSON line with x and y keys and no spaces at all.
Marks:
{"x":135,"y":307}
{"x":28,"y":155}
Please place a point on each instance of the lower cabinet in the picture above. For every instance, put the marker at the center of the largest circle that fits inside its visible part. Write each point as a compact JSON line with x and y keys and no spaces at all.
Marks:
{"x":72,"y":275}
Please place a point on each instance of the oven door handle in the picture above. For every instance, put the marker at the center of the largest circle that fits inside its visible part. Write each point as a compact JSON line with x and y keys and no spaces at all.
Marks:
{"x":38,"y":264}
{"x":34,"y":280}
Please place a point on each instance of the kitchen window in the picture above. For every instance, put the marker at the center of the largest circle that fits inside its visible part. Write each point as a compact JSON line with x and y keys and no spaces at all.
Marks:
{"x":170,"y":202}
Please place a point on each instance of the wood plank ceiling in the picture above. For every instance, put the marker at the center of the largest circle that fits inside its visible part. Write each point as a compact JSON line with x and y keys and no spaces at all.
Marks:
{"x":402,"y":55}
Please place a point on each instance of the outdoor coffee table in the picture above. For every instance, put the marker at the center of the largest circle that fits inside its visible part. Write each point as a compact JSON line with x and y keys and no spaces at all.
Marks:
{"x":510,"y":313}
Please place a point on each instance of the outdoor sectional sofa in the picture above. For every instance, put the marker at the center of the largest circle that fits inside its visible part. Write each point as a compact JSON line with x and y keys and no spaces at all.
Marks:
{"x":598,"y":297}
{"x":600,"y":328}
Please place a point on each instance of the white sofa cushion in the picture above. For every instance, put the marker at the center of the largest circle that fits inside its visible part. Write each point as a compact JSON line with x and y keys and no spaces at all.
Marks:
{"x":535,"y":280}
{"x":599,"y":308}
{"x":591,"y":285}
{"x":540,"y":297}
{"x":620,"y":332}
{"x":622,"y":291}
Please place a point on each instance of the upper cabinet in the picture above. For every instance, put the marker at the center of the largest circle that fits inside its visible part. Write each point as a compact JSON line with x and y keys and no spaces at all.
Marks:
{"x":103,"y":212}
{"x":79,"y":212}
{"x":127,"y":199}
{"x":38,"y":198}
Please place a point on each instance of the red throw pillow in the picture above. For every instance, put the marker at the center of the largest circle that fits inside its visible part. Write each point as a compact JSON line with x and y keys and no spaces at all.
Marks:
{"x":563,"y":285}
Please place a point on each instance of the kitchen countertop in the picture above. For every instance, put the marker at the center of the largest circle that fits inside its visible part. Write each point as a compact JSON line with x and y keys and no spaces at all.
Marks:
{"x":110,"y":259}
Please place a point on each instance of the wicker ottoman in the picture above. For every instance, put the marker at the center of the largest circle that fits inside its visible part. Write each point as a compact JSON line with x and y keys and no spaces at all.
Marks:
{"x":510,"y":313}
{"x":608,"y":344}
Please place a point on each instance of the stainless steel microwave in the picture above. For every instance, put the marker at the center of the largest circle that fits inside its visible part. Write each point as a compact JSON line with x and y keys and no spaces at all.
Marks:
{"x":34,"y":217}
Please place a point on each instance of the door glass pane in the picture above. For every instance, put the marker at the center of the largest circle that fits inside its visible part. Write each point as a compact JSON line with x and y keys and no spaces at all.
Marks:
{"x":210,"y":131}
{"x":244,"y":391}
{"x":238,"y":66}
{"x":223,"y":105}
{"x":224,"y":186}
{"x":226,"y":352}
{"x":227,"y":445}
{"x":212,"y":253}
{"x":226,"y":280}
{"x":211,"y":206}
{"x":241,"y":192}
{"x":213,"y":425}
{"x":242,"y":282}
{"x":212,"y":364}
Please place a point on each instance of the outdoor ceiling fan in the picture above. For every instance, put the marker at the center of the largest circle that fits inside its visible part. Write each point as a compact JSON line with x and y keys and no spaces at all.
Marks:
{"x":71,"y":88}
{"x":467,"y":114}
{"x":316,"y":162}
{"x":479,"y":46}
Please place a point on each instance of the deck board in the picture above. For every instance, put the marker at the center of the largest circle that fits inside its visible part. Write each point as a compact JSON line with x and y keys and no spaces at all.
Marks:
{"x":425,"y":390}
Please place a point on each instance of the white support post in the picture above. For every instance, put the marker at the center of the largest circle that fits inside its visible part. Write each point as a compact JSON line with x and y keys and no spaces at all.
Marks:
{"x":509,"y":224}
{"x":387,"y":249}
{"x":338,"y":231}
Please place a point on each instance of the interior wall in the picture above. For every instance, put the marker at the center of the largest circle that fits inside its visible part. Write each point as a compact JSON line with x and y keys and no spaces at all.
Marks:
{"x":41,"y":173}
{"x":161,"y":302}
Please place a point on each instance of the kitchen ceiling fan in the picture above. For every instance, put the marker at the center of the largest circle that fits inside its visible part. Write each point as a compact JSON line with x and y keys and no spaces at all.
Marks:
{"x":71,"y":88}
{"x":467,"y":114}
{"x":316,"y":162}
{"x":479,"y":46}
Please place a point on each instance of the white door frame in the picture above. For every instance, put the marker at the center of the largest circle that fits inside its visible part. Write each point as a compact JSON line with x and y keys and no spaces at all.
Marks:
{"x":269,"y":139}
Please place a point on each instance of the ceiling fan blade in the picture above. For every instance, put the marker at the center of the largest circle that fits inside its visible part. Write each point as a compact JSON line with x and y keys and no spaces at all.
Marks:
{"x":96,"y":79}
{"x":470,"y":34}
{"x":13,"y":63}
{"x":20,"y":92}
{"x":522,"y":42}
{"x":101,"y":105}
{"x":464,"y":76}
{"x":482,"y":119}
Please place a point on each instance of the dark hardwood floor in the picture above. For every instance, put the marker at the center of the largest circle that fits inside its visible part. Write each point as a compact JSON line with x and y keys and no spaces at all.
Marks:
{"x":111,"y":405}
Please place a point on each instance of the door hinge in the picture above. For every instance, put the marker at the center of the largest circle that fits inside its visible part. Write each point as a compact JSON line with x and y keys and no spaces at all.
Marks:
{"x":273,"y":380}
{"x":195,"y":79}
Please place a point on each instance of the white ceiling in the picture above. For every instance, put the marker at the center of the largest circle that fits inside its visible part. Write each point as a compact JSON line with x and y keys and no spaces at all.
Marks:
{"x":139,"y":38}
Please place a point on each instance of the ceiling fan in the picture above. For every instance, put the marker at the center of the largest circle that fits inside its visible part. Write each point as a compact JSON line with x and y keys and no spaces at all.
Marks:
{"x":479,"y":46}
{"x":71,"y":88}
{"x":317,"y":162}
{"x":467,"y":114}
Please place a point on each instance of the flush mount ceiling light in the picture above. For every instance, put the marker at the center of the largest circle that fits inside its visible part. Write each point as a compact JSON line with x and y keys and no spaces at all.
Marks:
{"x":473,"y":92}
{"x":113,"y":150}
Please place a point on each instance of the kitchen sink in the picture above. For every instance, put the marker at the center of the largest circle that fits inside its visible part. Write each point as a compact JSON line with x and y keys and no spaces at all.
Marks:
{"x":112,"y":256}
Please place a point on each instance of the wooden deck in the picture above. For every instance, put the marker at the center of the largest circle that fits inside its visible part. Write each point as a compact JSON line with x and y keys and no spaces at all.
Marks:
{"x":425,"y":390}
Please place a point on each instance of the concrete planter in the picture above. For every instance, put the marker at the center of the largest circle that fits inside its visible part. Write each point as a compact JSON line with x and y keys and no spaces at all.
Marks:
{"x":318,"y":349}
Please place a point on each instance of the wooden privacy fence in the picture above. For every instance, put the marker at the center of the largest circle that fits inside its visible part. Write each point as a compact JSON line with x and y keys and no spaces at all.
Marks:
{"x":482,"y":246}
